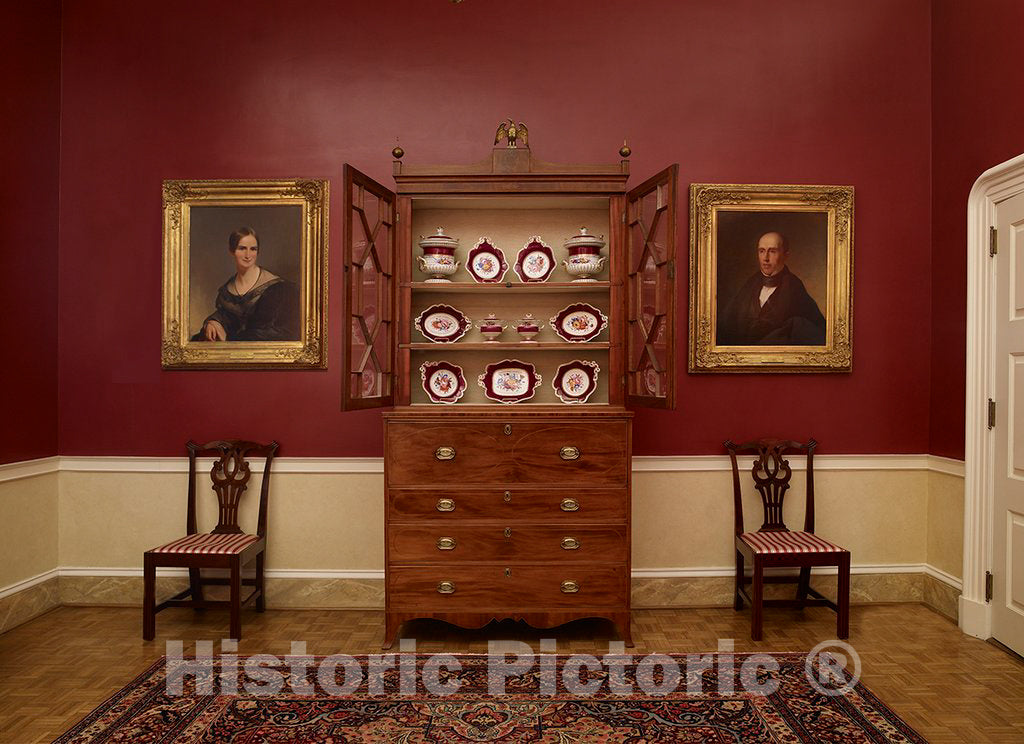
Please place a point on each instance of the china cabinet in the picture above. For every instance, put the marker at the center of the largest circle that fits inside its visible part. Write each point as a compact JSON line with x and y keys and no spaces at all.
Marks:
{"x":471,"y":292}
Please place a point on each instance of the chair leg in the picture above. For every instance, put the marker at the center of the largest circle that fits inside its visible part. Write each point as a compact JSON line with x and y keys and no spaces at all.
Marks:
{"x":757,"y":600}
{"x":737,"y":602}
{"x":236,"y":598}
{"x":260,"y":604}
{"x":195,"y":583}
{"x":804,"y":584}
{"x":148,"y":598}
{"x":843,"y":598}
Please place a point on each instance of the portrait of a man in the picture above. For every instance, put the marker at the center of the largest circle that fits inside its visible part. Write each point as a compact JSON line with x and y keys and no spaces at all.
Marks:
{"x":771,"y":270}
{"x":773,"y":306}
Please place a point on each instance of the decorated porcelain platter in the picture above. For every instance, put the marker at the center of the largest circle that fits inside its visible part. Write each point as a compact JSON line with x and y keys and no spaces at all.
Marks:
{"x":443,"y":381}
{"x":575,"y":381}
{"x":509,"y":381}
{"x":486,"y":262}
{"x":535,"y":261}
{"x":442,"y":324}
{"x":579,"y":322}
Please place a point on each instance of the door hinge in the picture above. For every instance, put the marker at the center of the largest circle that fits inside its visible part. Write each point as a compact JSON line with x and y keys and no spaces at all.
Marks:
{"x":988,"y":586}
{"x":991,"y":414}
{"x":993,"y":241}
{"x":671,"y":269}
{"x":623,"y":218}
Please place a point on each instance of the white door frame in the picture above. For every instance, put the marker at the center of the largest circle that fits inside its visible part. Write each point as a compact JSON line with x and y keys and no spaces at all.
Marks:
{"x":993,"y":186}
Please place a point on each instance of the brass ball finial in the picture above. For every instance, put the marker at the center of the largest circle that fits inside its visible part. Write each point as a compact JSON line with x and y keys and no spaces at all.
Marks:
{"x":398,"y":152}
{"x":624,"y":151}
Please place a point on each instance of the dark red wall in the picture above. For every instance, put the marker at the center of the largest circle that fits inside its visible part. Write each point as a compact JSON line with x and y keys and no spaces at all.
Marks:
{"x":29,"y":155}
{"x":977,"y":122}
{"x":796,"y":91}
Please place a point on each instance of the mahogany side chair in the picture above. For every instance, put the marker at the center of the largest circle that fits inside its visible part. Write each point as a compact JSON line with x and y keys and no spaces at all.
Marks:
{"x":773,"y":545}
{"x":226,"y":547}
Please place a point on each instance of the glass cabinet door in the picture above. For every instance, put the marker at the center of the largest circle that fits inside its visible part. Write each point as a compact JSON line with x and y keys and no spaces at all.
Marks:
{"x":368,"y":245}
{"x":651,"y":291}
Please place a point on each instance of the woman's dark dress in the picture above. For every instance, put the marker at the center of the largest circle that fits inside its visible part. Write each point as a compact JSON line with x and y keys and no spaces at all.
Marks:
{"x":268,"y":312}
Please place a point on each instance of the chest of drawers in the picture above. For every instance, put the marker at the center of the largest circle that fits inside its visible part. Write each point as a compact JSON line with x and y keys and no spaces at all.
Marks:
{"x":507,"y":514}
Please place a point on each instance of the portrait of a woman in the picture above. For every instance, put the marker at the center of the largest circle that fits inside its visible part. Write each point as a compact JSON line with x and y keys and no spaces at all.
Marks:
{"x":255,"y":304}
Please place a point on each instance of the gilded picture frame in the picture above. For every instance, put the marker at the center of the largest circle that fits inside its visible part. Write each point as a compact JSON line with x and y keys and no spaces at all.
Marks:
{"x":245,"y":274}
{"x":771,"y":278}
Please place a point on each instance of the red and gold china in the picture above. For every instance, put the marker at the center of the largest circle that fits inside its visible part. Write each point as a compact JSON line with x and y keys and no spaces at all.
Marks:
{"x":509,"y":381}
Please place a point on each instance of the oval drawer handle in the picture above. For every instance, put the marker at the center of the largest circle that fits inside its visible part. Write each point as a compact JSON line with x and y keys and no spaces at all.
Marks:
{"x":508,"y":532}
{"x":446,"y":543}
{"x":446,"y":587}
{"x":445,"y":505}
{"x":570,"y":505}
{"x":570,"y":543}
{"x":445,"y":453}
{"x":570,"y":587}
{"x":508,"y":429}
{"x":569,"y":453}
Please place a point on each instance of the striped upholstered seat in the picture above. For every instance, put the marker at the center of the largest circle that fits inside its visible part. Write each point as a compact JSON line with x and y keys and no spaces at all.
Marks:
{"x":206,"y":543}
{"x":788,"y":542}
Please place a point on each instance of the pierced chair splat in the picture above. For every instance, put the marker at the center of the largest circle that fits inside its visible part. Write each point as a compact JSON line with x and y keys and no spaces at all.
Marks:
{"x":227,"y":546}
{"x":774,"y":545}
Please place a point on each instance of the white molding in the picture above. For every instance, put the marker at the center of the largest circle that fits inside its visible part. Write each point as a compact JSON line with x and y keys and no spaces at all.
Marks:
{"x":375,"y":465}
{"x":994,"y":185}
{"x":311,"y":465}
{"x":946,"y":465}
{"x":713,"y":463}
{"x":28,"y":468}
{"x":21,"y":586}
{"x":333,"y":465}
{"x":975,"y":618}
{"x":946,"y":578}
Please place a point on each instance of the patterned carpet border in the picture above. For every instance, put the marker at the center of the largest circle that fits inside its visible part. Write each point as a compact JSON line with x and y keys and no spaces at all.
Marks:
{"x":655,"y":698}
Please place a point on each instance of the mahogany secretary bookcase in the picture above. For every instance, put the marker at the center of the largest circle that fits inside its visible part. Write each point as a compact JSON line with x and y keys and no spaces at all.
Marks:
{"x":498,"y":509}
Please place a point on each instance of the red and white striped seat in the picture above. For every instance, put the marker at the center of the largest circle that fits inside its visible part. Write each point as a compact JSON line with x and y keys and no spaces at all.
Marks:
{"x":206,"y":543}
{"x":787,"y":542}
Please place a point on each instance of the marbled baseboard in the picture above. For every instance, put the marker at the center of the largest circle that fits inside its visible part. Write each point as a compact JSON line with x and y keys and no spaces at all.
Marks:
{"x":335,"y":594}
{"x":942,"y":597}
{"x":717,"y":591}
{"x":113,"y":590}
{"x":22,"y":606}
{"x":369,"y":593}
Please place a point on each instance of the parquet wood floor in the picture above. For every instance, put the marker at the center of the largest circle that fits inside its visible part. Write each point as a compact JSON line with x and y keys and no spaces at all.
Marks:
{"x":950,"y":687}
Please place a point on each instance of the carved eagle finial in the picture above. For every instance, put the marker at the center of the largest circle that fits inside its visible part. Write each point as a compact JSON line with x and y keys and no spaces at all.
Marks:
{"x":513,"y":132}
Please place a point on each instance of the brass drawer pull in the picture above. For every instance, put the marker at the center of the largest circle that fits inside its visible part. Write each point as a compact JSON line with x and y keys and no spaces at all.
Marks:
{"x":445,"y":453}
{"x":569,"y":453}
{"x":508,"y":429}
{"x":570,"y":587}
{"x":508,"y":532}
{"x":570,"y":543}
{"x":508,"y":496}
{"x":445,"y":505}
{"x":568,"y":505}
{"x":446,"y":543}
{"x":448,"y":587}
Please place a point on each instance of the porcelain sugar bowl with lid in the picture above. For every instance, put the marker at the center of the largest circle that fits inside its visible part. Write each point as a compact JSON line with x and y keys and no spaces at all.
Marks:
{"x":491,"y":327}
{"x":438,"y":259}
{"x":585,"y":257}
{"x":527,"y":328}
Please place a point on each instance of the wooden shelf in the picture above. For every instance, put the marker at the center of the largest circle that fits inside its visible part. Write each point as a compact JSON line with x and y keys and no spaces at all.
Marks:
{"x":507,"y":345}
{"x":531,"y":287}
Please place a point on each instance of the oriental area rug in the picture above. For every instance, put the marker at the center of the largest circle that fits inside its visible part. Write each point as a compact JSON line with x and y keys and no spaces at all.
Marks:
{"x":409,"y":698}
